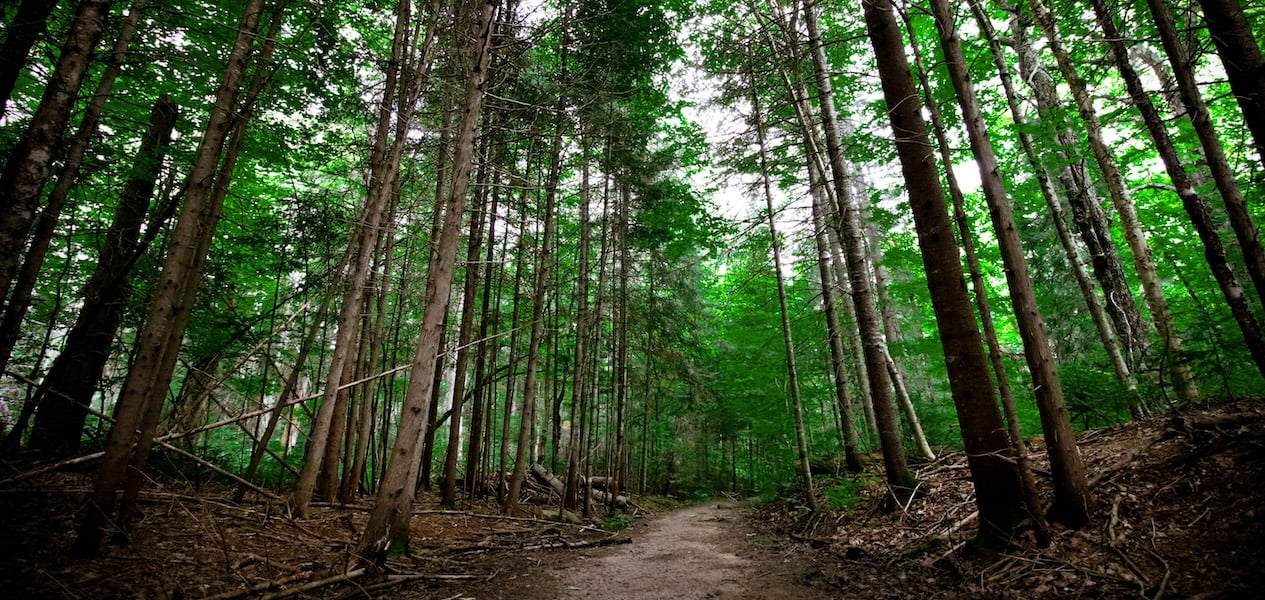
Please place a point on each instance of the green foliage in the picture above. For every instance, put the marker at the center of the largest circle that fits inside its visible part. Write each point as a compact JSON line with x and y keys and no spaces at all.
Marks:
{"x":845,"y":493}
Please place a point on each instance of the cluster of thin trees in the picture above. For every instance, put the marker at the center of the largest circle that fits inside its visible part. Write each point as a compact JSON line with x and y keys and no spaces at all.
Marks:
{"x":517,"y":239}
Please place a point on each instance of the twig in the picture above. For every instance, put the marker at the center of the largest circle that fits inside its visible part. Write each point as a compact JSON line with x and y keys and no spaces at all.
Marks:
{"x":311,"y":585}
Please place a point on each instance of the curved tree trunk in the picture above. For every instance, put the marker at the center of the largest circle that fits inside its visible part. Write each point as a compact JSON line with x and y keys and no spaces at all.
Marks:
{"x":788,"y":343}
{"x":1201,"y":120}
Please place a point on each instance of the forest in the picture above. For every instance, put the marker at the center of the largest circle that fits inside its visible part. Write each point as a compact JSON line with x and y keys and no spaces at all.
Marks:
{"x":362,"y":273}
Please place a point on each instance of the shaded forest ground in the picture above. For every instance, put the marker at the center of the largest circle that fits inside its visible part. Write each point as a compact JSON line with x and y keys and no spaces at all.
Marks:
{"x":1180,"y":515}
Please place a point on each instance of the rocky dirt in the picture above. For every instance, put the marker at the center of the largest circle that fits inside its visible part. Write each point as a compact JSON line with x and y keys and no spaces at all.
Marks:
{"x":1180,"y":514}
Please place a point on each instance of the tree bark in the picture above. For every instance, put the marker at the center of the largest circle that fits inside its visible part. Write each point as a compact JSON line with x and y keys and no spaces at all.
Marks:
{"x":28,"y":24}
{"x":399,"y":100}
{"x":26,"y":169}
{"x":387,"y":530}
{"x":1194,"y":204}
{"x":169,"y":308}
{"x":995,"y":477}
{"x":1244,"y":66}
{"x":895,"y":463}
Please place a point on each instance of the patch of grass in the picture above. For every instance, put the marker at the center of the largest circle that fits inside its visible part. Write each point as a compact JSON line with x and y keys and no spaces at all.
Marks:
{"x":616,"y":521}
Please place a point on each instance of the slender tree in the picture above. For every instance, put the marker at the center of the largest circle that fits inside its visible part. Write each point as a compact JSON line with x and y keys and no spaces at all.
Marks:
{"x":895,"y":463}
{"x":1073,"y":502}
{"x":387,"y":531}
{"x":67,"y":390}
{"x":168,"y":311}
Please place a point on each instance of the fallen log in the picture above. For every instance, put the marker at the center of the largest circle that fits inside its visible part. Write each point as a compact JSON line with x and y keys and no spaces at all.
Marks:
{"x":543,"y":474}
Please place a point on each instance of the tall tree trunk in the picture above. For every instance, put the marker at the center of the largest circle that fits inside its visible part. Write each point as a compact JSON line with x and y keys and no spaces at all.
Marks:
{"x":399,"y":99}
{"x":1106,"y":333}
{"x":151,"y":368}
{"x":1031,"y":497}
{"x":1073,"y":176}
{"x":67,"y":389}
{"x":1073,"y":503}
{"x":46,"y":222}
{"x":469,"y":304}
{"x":995,"y":477}
{"x":28,"y":24}
{"x":1201,"y":120}
{"x":1174,"y":357}
{"x":387,"y":530}
{"x":540,"y":292}
{"x":1194,"y":204}
{"x":1244,"y":67}
{"x":834,"y":334}
{"x":896,"y":467}
{"x":788,"y":343}
{"x":583,"y":328}
{"x":482,"y":374}
{"x":26,"y":169}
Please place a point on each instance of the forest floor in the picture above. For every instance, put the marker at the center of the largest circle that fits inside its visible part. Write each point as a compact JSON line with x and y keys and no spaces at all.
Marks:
{"x":1180,"y":514}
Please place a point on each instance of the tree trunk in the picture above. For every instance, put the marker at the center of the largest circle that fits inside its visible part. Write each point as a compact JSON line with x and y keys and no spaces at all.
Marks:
{"x":1182,"y":378}
{"x":540,"y":293}
{"x":28,"y":24}
{"x":788,"y":343}
{"x":1201,"y":120}
{"x":46,"y":223}
{"x":834,"y":334}
{"x":1073,"y":503}
{"x":67,"y":389}
{"x":1031,"y":497}
{"x":994,"y":476}
{"x":1086,"y":213}
{"x":469,"y":304}
{"x":26,"y":169}
{"x":896,"y":467}
{"x":1106,"y":334}
{"x":1245,"y":68}
{"x":169,"y":308}
{"x":402,"y":88}
{"x":1196,"y":207}
{"x":387,"y":530}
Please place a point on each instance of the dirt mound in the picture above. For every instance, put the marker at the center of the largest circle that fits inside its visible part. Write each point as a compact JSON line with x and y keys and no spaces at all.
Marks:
{"x":1180,"y":514}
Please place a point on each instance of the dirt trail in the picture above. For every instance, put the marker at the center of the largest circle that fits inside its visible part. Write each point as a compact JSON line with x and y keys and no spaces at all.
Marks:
{"x":697,"y":552}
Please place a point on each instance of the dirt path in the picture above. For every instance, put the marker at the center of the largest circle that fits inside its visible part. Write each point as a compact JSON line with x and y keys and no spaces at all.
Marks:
{"x":698,"y":552}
